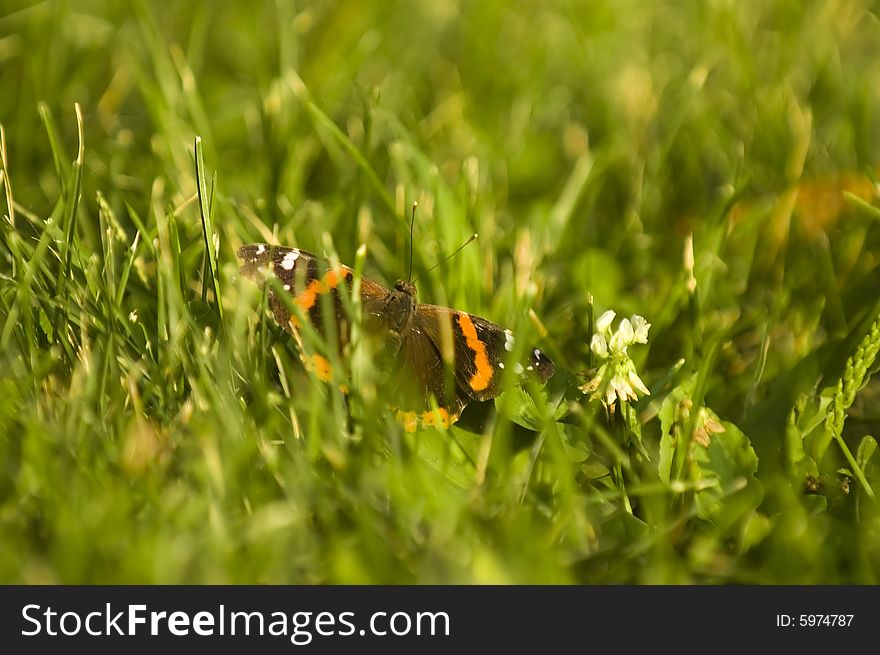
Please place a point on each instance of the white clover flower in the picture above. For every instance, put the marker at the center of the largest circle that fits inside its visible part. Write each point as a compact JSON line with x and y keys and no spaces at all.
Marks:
{"x":622,"y":388}
{"x":641,"y":327}
{"x":623,"y":337}
{"x":617,"y":378}
{"x":636,"y":382}
{"x":604,"y":321}
{"x":629,"y":331}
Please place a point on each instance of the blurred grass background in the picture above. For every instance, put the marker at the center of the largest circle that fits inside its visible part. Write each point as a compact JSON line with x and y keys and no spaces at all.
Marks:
{"x":146,"y":437}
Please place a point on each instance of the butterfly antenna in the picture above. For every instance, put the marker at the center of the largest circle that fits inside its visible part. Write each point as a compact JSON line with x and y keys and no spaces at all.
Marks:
{"x":470,"y":240}
{"x":412,"y":225}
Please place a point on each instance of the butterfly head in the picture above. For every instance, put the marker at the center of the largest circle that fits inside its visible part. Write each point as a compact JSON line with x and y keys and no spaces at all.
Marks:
{"x":400,"y":305}
{"x":406,"y":288}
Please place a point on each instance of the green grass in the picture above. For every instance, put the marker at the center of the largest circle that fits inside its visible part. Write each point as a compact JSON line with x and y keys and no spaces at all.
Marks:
{"x":157,"y":426}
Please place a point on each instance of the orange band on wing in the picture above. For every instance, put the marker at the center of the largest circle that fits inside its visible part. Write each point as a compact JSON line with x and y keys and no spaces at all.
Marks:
{"x":484,"y":373}
{"x":307,"y":299}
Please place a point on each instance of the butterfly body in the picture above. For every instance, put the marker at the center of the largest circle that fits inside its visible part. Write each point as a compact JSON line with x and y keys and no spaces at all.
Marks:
{"x":438,"y":358}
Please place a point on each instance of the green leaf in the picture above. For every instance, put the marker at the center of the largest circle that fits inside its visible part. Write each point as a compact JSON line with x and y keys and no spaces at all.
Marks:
{"x":46,"y":325}
{"x":670,"y":429}
{"x":634,"y":427}
{"x":576,"y":452}
{"x":520,"y":406}
{"x":454,"y":462}
{"x":563,"y":388}
{"x":867,"y":448}
{"x":729,"y":461}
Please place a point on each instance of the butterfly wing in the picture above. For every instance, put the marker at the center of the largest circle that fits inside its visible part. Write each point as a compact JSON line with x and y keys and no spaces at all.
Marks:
{"x":306,"y":277}
{"x":462,"y":356}
{"x":480,"y":348}
{"x":426,"y":391}
{"x":315,"y":287}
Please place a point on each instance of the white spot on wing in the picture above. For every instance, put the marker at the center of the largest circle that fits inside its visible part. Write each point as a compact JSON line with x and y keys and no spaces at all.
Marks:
{"x":261,"y":249}
{"x":289,"y":258}
{"x":287,"y":287}
{"x":508,"y":340}
{"x":500,"y":364}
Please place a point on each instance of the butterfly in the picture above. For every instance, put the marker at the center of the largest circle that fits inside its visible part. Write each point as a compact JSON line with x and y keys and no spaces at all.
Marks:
{"x":438,"y":359}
